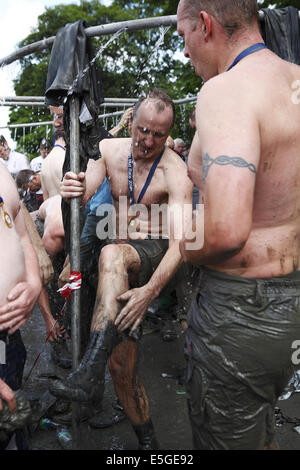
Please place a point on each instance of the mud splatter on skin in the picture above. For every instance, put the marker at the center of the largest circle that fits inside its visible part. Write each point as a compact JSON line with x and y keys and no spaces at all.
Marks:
{"x":282,"y":261}
{"x":295,"y":264}
{"x":245,"y":263}
{"x":271,"y":252}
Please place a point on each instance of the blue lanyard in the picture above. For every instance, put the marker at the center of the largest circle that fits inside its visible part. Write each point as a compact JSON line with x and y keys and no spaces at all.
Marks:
{"x":148,"y":180}
{"x":57,"y":145}
{"x":255,"y":47}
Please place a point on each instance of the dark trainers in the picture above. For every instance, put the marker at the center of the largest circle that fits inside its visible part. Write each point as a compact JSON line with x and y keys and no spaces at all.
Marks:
{"x":106,"y":419}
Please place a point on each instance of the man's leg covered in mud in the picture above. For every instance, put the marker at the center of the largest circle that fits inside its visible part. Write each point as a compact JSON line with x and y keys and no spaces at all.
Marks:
{"x":86,"y":383}
{"x":131,"y":392}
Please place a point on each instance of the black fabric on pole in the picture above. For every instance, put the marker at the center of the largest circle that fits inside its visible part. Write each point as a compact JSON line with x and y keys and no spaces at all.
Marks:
{"x":72,"y":53}
{"x":280,"y":31}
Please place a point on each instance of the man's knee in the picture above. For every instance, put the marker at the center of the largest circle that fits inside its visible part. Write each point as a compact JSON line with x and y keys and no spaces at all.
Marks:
{"x":115,"y":256}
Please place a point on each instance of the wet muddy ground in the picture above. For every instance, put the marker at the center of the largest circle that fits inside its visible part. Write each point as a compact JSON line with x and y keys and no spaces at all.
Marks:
{"x":167,"y":397}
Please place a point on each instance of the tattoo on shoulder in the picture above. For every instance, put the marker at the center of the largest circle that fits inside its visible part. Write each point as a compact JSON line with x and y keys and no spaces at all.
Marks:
{"x":225,"y":160}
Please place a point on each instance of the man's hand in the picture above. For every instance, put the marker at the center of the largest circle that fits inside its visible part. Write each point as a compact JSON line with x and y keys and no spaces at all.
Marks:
{"x":57,"y":331}
{"x":127,"y":116}
{"x":20,"y":302}
{"x":137,"y":302}
{"x":73,"y":185}
{"x":8,"y":395}
{"x":184,"y":325}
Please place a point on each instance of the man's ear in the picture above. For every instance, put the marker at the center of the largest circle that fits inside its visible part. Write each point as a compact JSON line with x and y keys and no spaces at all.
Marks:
{"x":206,"y":24}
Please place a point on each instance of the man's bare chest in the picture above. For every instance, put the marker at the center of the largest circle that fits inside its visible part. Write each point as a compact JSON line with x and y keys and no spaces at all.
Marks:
{"x":144,"y":192}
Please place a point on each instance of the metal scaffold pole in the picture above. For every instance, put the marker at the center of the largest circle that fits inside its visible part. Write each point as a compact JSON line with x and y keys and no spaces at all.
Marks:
{"x":75,"y":255}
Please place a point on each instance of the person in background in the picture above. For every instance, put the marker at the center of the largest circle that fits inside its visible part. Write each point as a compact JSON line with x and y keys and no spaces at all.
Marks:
{"x":179,"y":147}
{"x":14,"y":161}
{"x":37,"y":162}
{"x":36,"y":166}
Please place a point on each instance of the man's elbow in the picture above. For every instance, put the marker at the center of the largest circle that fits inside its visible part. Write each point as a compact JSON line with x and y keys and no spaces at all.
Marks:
{"x":228,"y":240}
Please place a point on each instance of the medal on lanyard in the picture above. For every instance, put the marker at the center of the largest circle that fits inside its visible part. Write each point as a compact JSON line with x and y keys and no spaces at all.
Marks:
{"x":6,"y":217}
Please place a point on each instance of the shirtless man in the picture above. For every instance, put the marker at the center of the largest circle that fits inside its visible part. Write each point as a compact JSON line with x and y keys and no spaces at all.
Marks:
{"x":51,"y":174}
{"x":148,"y":264}
{"x":246,"y":315}
{"x":20,"y":280}
{"x":54,"y":235}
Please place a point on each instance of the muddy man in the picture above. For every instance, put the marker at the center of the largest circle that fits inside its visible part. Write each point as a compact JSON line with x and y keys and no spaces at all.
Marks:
{"x":132,"y":271}
{"x":245,"y":160}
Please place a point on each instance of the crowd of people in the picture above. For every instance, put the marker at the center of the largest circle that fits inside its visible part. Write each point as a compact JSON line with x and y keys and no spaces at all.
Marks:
{"x":240,"y":316}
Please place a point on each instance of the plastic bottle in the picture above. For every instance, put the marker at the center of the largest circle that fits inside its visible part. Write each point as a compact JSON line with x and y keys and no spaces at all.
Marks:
{"x":46,"y":423}
{"x":64,"y":437}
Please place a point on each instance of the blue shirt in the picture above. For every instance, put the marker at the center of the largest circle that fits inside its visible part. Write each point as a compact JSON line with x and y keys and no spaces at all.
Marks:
{"x":102,"y":196}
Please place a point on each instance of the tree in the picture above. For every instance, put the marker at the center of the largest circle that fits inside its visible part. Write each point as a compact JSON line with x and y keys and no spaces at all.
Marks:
{"x":127,"y":66}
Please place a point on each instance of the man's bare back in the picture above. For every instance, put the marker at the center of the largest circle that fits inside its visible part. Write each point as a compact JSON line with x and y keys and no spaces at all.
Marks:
{"x":272,"y":248}
{"x":51,"y":174}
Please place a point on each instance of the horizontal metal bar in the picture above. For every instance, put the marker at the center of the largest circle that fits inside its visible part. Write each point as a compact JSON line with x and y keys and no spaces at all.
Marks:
{"x":113,"y":101}
{"x":42,"y":99}
{"x":41,"y":103}
{"x":21,"y":103}
{"x":32,"y":124}
{"x":47,"y":123}
{"x":132,"y":25}
{"x":100,"y":30}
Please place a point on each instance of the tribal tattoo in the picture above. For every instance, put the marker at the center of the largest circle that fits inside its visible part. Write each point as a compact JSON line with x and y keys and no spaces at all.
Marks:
{"x":225,"y":160}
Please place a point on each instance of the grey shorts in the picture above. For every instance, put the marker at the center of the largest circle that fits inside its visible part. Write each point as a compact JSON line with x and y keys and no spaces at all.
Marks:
{"x":151,"y":252}
{"x":239,"y":352}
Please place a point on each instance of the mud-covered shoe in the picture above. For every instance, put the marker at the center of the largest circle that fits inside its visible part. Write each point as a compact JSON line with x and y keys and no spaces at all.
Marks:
{"x":81,"y":385}
{"x":87,"y":382}
{"x":146,"y":436}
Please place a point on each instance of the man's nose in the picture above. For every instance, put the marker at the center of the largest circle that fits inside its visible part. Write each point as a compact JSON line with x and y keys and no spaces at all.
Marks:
{"x":185,"y":53}
{"x":57,"y":122}
{"x":149,"y":140}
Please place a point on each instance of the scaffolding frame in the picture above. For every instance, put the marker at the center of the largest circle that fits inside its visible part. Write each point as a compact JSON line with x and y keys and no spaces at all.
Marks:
{"x":132,"y":25}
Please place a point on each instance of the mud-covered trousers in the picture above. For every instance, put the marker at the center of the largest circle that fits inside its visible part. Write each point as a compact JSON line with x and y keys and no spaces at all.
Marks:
{"x":240,"y":348}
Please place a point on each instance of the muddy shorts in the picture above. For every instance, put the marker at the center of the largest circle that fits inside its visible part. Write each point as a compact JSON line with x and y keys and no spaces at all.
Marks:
{"x":239,"y":352}
{"x":151,"y":252}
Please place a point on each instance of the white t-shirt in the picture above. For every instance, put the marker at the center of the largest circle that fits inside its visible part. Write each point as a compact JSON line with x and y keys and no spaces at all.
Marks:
{"x":16,"y":162}
{"x":36,"y":164}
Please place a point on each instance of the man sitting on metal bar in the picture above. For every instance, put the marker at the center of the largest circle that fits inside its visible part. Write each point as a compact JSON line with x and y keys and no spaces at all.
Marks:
{"x":136,"y":266}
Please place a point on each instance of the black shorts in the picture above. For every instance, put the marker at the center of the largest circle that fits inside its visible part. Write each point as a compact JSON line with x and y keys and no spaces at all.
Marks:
{"x":151,"y":252}
{"x":11,"y":369}
{"x":239,"y":352}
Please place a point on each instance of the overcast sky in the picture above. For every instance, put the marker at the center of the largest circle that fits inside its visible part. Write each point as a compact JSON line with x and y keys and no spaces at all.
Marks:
{"x":17,"y":19}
